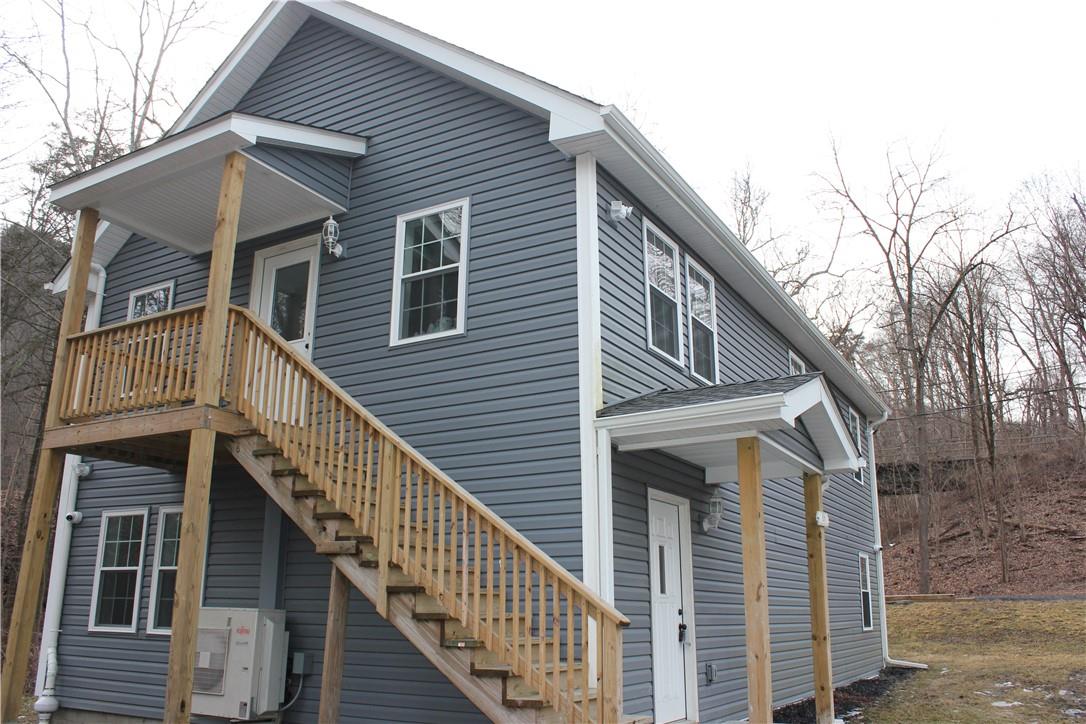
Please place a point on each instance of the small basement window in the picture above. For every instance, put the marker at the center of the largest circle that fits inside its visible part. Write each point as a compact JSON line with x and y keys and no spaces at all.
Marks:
{"x":866,"y":618}
{"x":662,"y":285}
{"x":151,"y":300}
{"x":430,"y":278}
{"x":701,"y":303}
{"x":796,"y":366}
{"x":118,"y":570}
{"x":164,"y":577}
{"x":855,"y":426}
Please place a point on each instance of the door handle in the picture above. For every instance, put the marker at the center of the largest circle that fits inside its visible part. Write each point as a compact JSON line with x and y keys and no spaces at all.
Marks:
{"x":682,"y":632}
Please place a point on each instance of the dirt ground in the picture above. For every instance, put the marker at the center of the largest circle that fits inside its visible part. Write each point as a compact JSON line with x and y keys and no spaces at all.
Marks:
{"x":990,"y":661}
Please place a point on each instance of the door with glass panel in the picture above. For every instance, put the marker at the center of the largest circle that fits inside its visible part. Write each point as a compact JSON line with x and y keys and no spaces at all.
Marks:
{"x":284,"y":297}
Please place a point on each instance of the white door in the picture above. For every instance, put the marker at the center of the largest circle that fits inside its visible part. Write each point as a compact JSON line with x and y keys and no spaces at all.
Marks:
{"x":668,"y":627}
{"x":288,"y":291}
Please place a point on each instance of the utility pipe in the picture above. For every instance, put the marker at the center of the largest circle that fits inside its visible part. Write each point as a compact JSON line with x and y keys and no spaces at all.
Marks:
{"x":62,"y":542}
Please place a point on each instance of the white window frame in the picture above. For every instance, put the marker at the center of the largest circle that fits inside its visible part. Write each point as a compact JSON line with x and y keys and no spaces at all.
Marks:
{"x":854,"y":424}
{"x":690,"y":320}
{"x":171,"y":285}
{"x":646,"y":227}
{"x":796,"y":366}
{"x":394,"y":339}
{"x":105,"y":516}
{"x":152,"y":606}
{"x":865,"y":563}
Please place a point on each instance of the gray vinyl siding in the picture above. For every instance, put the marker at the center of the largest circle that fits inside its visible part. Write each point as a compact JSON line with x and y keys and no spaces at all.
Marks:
{"x":329,"y":176}
{"x":718,"y":584}
{"x":384,"y":677}
{"x":496,"y":408}
{"x":125,"y":673}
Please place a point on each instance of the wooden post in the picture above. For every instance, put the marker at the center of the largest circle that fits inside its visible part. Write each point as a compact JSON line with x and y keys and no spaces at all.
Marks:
{"x":27,"y":603}
{"x":335,"y":631}
{"x":819,"y":596}
{"x":194,"y":514}
{"x":386,"y":478}
{"x":755,"y":582}
{"x":611,"y":670}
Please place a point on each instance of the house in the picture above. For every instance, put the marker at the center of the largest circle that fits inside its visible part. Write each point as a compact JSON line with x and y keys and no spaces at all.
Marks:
{"x":523,"y":433}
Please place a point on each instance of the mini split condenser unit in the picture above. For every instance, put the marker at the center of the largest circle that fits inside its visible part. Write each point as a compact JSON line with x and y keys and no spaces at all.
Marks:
{"x":241,"y":660}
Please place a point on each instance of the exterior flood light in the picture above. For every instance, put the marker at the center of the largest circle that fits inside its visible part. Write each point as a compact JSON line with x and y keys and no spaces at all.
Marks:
{"x":716,"y":514}
{"x":330,"y":237}
{"x":620,"y":211}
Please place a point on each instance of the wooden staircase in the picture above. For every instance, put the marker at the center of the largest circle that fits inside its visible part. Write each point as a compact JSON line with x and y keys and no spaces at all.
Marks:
{"x":521,"y":637}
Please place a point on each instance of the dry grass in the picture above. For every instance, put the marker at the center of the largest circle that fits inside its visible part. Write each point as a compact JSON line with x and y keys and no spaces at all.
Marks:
{"x":1029,"y":656}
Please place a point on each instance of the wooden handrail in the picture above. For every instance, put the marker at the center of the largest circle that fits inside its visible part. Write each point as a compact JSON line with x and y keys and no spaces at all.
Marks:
{"x":526,"y":608}
{"x":138,"y":365}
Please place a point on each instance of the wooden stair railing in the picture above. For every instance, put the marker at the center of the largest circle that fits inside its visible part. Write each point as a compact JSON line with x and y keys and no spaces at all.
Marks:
{"x":533,"y":615}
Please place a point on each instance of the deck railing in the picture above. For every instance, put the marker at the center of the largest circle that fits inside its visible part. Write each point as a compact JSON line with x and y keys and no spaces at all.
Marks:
{"x":522,"y":605}
{"x":141,"y":365}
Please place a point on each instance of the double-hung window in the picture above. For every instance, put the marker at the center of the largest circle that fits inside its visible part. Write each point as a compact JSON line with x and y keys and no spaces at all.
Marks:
{"x":866,"y":619}
{"x":855,"y":426}
{"x":662,"y":286}
{"x":164,"y":577}
{"x":151,"y":300}
{"x":118,"y":570}
{"x":701,"y":304}
{"x":428,"y":295}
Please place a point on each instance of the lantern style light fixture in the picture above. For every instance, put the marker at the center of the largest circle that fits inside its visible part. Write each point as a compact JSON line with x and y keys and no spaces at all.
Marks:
{"x":330,"y":237}
{"x":716,"y":513}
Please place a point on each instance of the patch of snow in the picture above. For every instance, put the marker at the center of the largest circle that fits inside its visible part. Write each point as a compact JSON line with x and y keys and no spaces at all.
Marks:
{"x":1065,"y":692}
{"x":1005,"y":685}
{"x":1006,"y":704}
{"x":1074,"y":712}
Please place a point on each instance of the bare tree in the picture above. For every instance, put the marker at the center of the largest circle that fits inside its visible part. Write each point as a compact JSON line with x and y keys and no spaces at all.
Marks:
{"x":912,"y":228}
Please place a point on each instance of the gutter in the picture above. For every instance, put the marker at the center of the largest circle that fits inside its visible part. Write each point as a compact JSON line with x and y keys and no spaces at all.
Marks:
{"x":874,"y":486}
{"x":62,"y":544}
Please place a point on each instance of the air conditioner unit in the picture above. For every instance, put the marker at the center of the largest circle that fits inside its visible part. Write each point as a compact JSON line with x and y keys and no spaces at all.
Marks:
{"x":241,"y":661}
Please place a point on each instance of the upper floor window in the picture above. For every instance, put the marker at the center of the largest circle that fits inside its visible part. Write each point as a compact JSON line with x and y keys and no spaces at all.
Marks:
{"x":701,"y":303}
{"x":796,"y":366}
{"x":428,"y":295}
{"x":118,"y":569}
{"x":662,"y":286}
{"x":150,"y":300}
{"x":855,"y":426}
{"x":866,"y":618}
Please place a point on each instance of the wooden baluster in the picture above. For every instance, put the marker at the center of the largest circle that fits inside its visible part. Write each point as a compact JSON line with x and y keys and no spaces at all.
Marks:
{"x":83,"y":388}
{"x":71,"y":371}
{"x":194,"y":350}
{"x":370,"y":432}
{"x":105,"y":387}
{"x":585,"y":658}
{"x":542,"y":680}
{"x":315,"y":394}
{"x":118,"y":375}
{"x":278,"y":428}
{"x":432,"y":529}
{"x":162,"y":351}
{"x":177,"y":356}
{"x":503,"y":584}
{"x":418,"y":518}
{"x":599,"y":663}
{"x":407,"y":562}
{"x":137,"y":356}
{"x":515,"y":591}
{"x":441,"y":550}
{"x":610,"y":693}
{"x":341,"y":452}
{"x":297,"y":414}
{"x":465,"y":567}
{"x":489,"y":638}
{"x":571,"y":651}
{"x":265,"y":388}
{"x":556,"y":645}
{"x":225,"y":380}
{"x":397,"y":491}
{"x":477,"y":616}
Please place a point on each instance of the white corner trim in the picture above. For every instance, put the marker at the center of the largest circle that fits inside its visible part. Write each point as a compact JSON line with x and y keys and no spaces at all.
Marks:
{"x":589,"y":369}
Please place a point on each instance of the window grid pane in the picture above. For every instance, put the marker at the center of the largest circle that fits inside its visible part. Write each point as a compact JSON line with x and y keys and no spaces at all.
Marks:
{"x":664,"y":314}
{"x":703,"y":351}
{"x":118,"y":573}
{"x":701,"y":298}
{"x":430,"y":277}
{"x":662,"y":265}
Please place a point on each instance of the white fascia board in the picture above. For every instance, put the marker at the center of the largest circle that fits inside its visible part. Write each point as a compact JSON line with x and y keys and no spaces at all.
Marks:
{"x":173,"y":154}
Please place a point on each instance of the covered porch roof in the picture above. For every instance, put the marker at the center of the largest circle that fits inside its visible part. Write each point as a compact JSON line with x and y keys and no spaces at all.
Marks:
{"x":169,"y":190}
{"x":795,"y":417}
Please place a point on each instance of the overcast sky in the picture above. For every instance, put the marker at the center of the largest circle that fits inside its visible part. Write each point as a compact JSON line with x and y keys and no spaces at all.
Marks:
{"x":717,"y":86}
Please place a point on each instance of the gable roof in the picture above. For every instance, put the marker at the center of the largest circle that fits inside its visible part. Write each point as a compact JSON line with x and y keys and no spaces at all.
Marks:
{"x":577,"y":125}
{"x":669,"y":399}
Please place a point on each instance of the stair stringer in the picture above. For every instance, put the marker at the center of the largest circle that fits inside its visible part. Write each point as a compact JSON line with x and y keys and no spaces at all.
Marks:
{"x":425,"y":636}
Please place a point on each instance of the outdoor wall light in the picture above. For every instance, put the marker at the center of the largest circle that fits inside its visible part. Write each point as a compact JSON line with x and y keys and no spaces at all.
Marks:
{"x":330,"y":237}
{"x":716,"y":514}
{"x":620,"y":211}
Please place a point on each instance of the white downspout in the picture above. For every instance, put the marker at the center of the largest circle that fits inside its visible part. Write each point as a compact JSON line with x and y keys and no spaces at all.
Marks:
{"x":874,"y":486}
{"x":58,"y":570}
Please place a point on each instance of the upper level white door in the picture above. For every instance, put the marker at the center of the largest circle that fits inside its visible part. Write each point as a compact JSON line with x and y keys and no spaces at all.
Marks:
{"x":668,"y":624}
{"x":285,"y":290}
